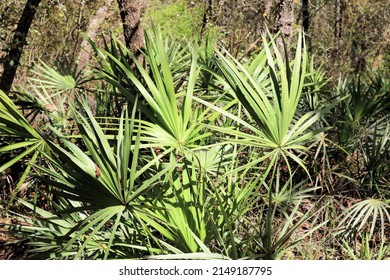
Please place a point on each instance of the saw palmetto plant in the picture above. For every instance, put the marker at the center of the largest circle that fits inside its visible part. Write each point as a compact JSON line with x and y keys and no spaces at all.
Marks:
{"x":190,"y":154}
{"x":270,"y":99}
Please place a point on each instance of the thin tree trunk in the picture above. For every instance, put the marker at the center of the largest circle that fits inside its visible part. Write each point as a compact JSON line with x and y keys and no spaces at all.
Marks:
{"x":285,"y":19}
{"x":284,"y":10}
{"x":337,"y":28}
{"x":93,"y":27}
{"x":11,"y":61}
{"x":130,"y":11}
{"x":280,"y":17}
{"x":268,"y":9}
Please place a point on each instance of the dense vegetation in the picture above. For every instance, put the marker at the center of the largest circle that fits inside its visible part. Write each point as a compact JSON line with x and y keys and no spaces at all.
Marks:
{"x":201,"y":150}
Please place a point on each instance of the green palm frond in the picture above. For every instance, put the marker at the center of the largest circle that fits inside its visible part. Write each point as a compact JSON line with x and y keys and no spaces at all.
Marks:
{"x":360,"y":215}
{"x":106,"y":182}
{"x":270,"y":99}
{"x":366,"y":251}
{"x":170,"y":110}
{"x":58,"y":80}
{"x":22,"y":139}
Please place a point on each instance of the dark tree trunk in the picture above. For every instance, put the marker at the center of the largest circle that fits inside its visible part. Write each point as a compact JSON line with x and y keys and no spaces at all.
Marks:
{"x":206,"y":16}
{"x":130,"y":11}
{"x":306,"y":21}
{"x":305,"y":15}
{"x":11,"y":61}
{"x":337,"y":28}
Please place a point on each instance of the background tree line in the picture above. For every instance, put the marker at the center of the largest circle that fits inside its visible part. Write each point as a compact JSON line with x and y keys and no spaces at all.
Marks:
{"x":348,"y":36}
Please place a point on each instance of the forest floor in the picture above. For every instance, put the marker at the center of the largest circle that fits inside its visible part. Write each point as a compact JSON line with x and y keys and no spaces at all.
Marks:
{"x":10,"y":247}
